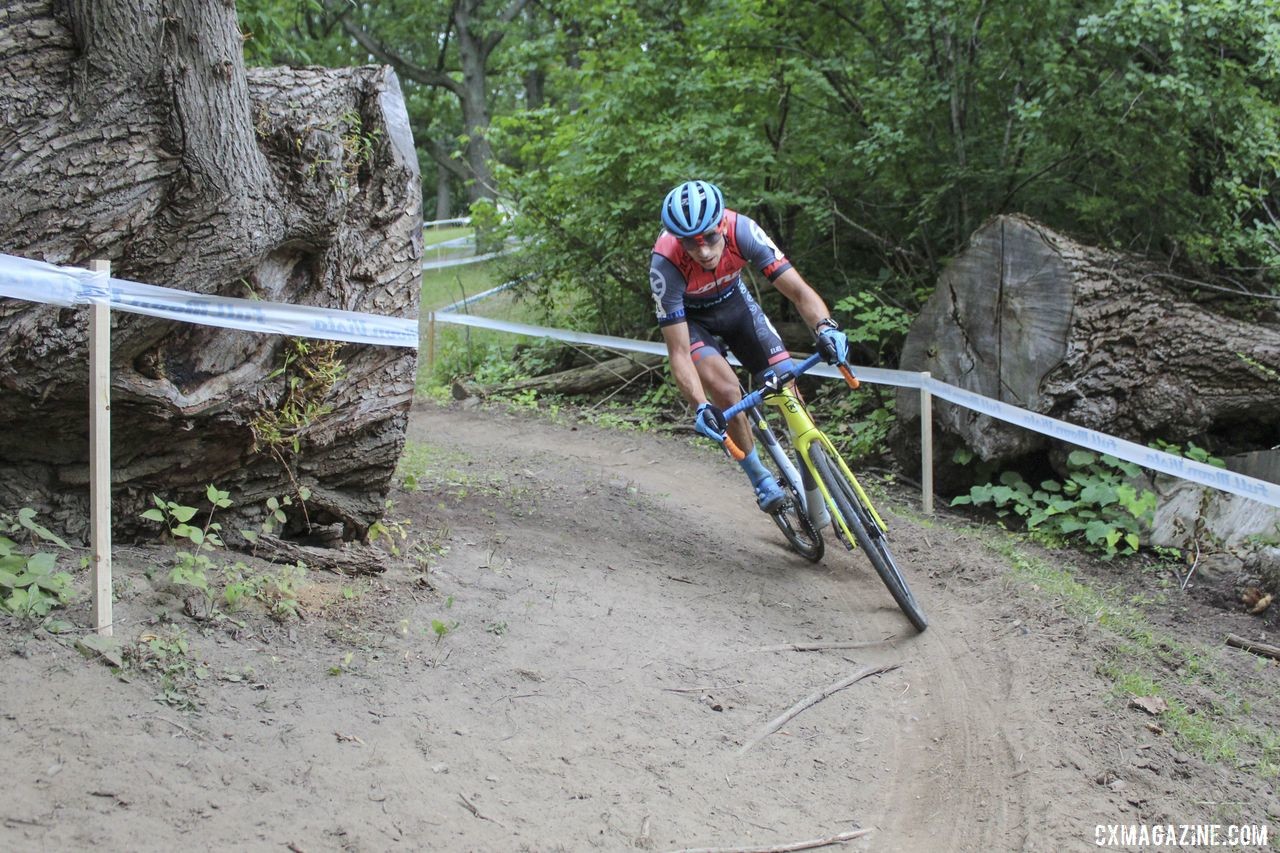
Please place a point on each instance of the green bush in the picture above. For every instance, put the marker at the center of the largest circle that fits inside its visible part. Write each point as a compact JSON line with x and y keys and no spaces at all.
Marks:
{"x":29,"y":584}
{"x":1096,"y":504}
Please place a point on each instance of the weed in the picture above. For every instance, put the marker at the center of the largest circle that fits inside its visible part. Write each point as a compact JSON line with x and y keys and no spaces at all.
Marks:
{"x":277,"y":592}
{"x":168,"y":657}
{"x":1095,"y":504}
{"x":30,"y":586}
{"x":193,"y":568}
{"x":392,"y":531}
{"x":344,"y":666}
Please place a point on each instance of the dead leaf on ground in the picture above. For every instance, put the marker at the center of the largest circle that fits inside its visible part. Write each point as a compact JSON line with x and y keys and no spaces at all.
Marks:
{"x":1153,"y":705}
{"x":1255,"y":599}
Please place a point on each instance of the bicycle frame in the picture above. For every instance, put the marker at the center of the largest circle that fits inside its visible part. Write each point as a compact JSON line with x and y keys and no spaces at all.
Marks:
{"x":804,"y":433}
{"x":780,"y":393}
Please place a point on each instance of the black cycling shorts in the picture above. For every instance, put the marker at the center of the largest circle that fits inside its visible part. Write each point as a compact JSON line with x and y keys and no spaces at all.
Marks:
{"x":737,"y":324}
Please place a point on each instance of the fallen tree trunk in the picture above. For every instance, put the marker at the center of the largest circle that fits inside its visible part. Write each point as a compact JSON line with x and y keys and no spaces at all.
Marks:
{"x":133,"y":133}
{"x":589,"y":379}
{"x":1095,"y":338}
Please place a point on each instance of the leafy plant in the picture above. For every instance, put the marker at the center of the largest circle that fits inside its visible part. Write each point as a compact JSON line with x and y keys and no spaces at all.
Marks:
{"x":192,"y":567}
{"x":169,"y":657}
{"x":29,"y":585}
{"x":873,"y":324}
{"x":275,"y":515}
{"x":277,"y":592}
{"x":1095,"y":504}
{"x":1193,"y":452}
{"x":392,"y":531}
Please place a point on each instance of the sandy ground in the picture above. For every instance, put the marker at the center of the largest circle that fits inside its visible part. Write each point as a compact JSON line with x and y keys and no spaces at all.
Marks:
{"x":581,"y":648}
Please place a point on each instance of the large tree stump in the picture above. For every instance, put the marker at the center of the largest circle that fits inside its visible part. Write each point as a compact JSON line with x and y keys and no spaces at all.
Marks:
{"x":1096,"y":338}
{"x":131,"y":131}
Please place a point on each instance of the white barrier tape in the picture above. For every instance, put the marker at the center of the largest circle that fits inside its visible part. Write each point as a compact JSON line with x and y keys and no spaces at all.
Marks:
{"x":1148,"y":457}
{"x":427,"y":266}
{"x":605,"y":341}
{"x":36,"y":281}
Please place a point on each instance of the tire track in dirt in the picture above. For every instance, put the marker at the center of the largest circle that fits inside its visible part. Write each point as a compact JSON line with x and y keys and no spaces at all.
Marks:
{"x":937,"y":761}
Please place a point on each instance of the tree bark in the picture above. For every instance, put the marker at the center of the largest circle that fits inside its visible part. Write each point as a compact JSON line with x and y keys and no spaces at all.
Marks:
{"x":132,"y":132}
{"x":1096,"y":338}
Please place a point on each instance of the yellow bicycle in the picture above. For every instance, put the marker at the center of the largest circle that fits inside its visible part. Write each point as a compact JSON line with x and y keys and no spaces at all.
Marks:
{"x":822,"y":472}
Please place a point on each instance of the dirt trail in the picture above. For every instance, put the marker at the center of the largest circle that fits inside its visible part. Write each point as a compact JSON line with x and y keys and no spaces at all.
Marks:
{"x":611,"y":600}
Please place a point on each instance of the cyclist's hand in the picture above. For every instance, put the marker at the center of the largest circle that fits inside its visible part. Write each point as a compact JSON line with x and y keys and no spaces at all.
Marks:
{"x":834,"y":346}
{"x":710,"y":422}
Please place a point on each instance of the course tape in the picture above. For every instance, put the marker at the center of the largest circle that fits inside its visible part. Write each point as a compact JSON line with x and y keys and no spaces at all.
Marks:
{"x":1148,"y":457}
{"x":36,"y":281}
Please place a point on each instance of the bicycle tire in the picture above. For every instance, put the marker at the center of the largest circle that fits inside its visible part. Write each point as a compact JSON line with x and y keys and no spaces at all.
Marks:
{"x":870,"y":537}
{"x":791,"y":519}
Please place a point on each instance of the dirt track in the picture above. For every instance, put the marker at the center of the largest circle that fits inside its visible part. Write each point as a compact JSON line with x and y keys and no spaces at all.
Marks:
{"x":613,"y":602}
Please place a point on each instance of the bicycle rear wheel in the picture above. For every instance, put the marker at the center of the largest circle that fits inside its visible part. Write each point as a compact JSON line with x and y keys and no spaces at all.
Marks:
{"x":791,"y":519}
{"x":867,"y":532}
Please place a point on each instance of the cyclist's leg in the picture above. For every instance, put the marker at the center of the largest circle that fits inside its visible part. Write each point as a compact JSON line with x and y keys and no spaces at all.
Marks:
{"x":718,"y":378}
{"x":721,"y":384}
{"x":751,"y":336}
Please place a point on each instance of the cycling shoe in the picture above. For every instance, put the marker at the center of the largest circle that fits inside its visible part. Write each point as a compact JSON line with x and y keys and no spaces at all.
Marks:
{"x":769,"y":495}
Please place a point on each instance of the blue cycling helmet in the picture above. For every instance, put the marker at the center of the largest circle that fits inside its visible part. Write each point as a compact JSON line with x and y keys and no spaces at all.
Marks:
{"x":693,"y":208}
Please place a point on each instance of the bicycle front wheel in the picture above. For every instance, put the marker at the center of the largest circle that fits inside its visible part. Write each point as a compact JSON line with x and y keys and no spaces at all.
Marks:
{"x":871,"y":539}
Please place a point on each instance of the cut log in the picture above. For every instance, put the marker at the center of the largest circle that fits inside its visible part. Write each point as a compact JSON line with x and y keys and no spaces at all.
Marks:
{"x":1096,"y":338}
{"x":132,"y":132}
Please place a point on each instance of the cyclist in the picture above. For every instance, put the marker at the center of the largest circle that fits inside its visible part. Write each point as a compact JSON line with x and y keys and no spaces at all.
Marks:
{"x":704,"y":309}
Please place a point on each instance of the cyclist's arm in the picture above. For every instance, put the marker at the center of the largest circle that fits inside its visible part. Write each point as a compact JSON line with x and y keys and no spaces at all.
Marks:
{"x":682,"y":370}
{"x":807,"y":301}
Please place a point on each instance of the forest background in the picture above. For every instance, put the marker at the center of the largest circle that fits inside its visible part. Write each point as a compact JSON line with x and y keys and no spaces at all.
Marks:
{"x":869,"y":138}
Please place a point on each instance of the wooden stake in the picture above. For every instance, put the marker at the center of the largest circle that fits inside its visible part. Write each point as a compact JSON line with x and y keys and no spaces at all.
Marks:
{"x":926,"y":447}
{"x":100,"y":452}
{"x":431,"y":342}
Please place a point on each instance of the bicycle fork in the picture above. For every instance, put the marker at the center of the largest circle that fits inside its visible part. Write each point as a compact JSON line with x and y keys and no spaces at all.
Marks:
{"x":815,"y":506}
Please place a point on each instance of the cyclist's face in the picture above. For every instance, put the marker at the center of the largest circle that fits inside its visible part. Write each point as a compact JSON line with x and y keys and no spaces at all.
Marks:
{"x":705,"y":248}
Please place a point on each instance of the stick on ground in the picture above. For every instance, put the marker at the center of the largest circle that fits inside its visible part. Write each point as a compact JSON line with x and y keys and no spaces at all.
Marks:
{"x":782,"y":848}
{"x":819,"y":647}
{"x":1263,"y":649}
{"x":814,"y":699}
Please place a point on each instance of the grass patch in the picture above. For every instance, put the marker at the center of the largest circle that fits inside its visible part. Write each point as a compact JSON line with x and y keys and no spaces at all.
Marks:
{"x":1206,"y":715}
{"x":443,"y":234}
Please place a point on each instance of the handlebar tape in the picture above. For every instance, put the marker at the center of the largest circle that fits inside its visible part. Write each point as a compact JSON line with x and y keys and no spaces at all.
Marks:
{"x":849,"y":378}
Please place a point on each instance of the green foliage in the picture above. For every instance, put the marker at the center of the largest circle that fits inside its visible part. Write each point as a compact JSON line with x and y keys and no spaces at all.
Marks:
{"x":859,"y":424}
{"x":168,"y":657}
{"x":1095,"y":504}
{"x":1198,"y":454}
{"x":392,"y":532}
{"x":275,"y":591}
{"x":310,"y":370}
{"x":873,"y":325}
{"x":30,"y":585}
{"x":195,"y":566}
